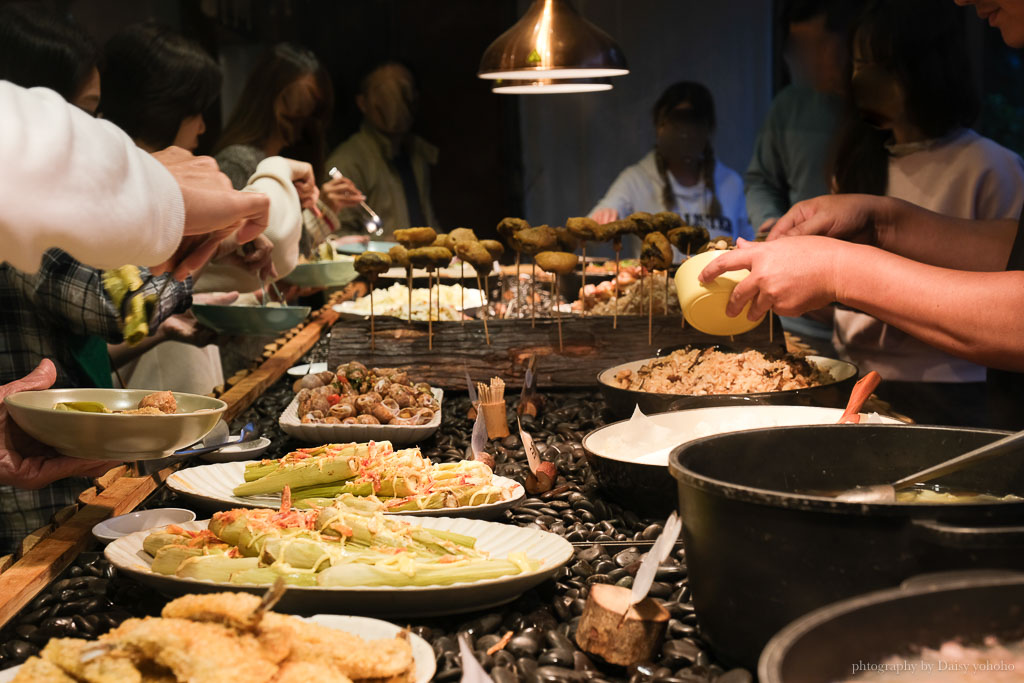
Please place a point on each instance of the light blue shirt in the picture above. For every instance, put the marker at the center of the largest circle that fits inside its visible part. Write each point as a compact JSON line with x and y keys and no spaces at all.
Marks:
{"x":639,"y":188}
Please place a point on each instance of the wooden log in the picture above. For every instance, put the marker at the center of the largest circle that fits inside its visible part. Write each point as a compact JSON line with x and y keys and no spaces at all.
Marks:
{"x":619,"y":634}
{"x":590,"y":346}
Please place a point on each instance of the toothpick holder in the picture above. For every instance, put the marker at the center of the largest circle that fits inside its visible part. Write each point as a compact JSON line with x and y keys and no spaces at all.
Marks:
{"x":495,"y":419}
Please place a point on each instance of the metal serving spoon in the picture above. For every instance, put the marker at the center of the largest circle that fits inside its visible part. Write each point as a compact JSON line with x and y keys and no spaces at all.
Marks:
{"x":886,"y":493}
{"x":373,"y":225}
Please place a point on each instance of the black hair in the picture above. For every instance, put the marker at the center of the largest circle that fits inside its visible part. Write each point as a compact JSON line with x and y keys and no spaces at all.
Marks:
{"x":701,"y":110}
{"x":153,"y":80}
{"x":39,"y":48}
{"x":839,"y":14}
{"x":254,"y":120}
{"x":922,"y":44}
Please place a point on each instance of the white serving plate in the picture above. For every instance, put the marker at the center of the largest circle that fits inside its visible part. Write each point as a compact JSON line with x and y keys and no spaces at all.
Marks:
{"x":474,"y":299}
{"x":122,"y":525}
{"x":651,"y":440}
{"x":498,"y":540}
{"x":398,"y":435}
{"x":213,"y":485}
{"x":364,"y":627}
{"x":238,"y":452}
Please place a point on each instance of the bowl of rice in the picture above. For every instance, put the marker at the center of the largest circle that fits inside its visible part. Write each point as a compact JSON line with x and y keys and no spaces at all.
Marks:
{"x":702,"y":377}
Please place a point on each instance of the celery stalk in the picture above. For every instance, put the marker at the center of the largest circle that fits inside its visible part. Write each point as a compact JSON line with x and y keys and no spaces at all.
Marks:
{"x":436,"y":574}
{"x":214,"y":567}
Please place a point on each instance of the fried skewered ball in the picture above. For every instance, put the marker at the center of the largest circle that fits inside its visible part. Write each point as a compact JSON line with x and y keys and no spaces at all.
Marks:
{"x":667,"y":220}
{"x":617,"y":229}
{"x":410,"y":238}
{"x":689,"y":239}
{"x":443,"y":240}
{"x":400,"y":257}
{"x":455,"y":237}
{"x":531,"y":242}
{"x":557,"y":263}
{"x":643,"y":223}
{"x":507,"y":228}
{"x":430,"y":258}
{"x":566,"y":240}
{"x":656,"y":254}
{"x":462,"y":235}
{"x":371,"y":264}
{"x":477,"y":256}
{"x":584,"y":229}
{"x":495,"y":248}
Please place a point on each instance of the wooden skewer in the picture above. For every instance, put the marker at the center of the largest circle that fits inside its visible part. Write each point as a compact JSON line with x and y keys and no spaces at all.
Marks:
{"x":462,"y":291}
{"x":665,"y":307}
{"x":483,"y":295}
{"x":558,"y":313}
{"x":771,"y":327}
{"x":682,"y":314}
{"x":615,"y":309}
{"x":533,"y":296}
{"x":408,"y":278}
{"x":430,"y":312}
{"x":373,"y":341}
{"x":519,"y":289}
{"x":583,"y":284}
{"x":650,"y":312}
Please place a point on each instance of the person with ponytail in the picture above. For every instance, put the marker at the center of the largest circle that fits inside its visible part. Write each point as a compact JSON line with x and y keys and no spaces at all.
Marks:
{"x":681,"y":173}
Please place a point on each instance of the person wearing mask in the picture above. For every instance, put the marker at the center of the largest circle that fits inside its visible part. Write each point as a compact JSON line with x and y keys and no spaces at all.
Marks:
{"x":907,"y":136}
{"x":681,"y":173}
{"x":953,"y":283}
{"x":791,"y":154}
{"x":389,"y":162}
{"x":284,"y":110}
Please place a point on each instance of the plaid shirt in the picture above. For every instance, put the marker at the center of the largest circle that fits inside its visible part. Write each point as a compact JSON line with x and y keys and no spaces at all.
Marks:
{"x":38,"y":313}
{"x":65,"y":297}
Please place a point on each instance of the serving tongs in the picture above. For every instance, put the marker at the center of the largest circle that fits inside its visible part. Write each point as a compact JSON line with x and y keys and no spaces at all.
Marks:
{"x":373,"y":223}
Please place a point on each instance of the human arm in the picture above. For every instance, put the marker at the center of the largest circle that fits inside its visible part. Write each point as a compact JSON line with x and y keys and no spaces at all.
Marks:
{"x":24,"y":462}
{"x":903,"y":229}
{"x":972,"y":315}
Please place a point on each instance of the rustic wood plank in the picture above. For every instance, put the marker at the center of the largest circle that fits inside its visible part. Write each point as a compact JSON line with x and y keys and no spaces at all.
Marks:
{"x":590,"y":345}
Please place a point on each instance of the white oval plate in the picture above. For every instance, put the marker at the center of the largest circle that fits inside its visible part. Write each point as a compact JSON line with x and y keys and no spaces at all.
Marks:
{"x":498,"y":540}
{"x":122,"y":525}
{"x":235,"y":452}
{"x":398,"y":435}
{"x":213,"y":485}
{"x":364,"y":627}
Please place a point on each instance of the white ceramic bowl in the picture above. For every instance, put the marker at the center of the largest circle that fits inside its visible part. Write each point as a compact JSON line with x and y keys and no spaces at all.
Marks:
{"x":116,"y":527}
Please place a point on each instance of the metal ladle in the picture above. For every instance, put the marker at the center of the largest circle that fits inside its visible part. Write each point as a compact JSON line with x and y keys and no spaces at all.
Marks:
{"x":373,"y":224}
{"x":886,"y":493}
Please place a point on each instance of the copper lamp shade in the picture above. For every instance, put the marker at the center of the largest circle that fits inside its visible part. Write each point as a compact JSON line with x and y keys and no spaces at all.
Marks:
{"x":552,"y":41}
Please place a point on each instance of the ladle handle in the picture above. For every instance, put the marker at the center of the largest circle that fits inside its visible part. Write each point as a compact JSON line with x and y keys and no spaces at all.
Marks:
{"x":1003,"y":446}
{"x":864,"y":387}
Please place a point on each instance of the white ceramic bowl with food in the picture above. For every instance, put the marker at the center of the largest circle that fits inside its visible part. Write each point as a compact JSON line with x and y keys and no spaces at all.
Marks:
{"x":113,"y":436}
{"x":704,"y":304}
{"x":629,"y":458}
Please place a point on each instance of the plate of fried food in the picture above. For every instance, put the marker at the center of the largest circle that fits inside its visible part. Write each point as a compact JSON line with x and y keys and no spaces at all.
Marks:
{"x":356,"y":403}
{"x":402,"y":482}
{"x":347,"y":557}
{"x":114,"y":424}
{"x":228,"y":637}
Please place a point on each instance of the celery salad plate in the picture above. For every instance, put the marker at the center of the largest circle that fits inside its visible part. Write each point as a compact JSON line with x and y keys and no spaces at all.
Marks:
{"x":338,"y":577}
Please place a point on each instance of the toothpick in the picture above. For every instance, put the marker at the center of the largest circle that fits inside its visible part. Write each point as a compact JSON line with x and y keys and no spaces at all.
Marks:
{"x":558,"y":313}
{"x":430,"y":312}
{"x":615,"y":311}
{"x":650,"y":312}
{"x":583,"y":285}
{"x":462,"y":291}
{"x":483,"y":295}
{"x":665,"y":307}
{"x":408,"y":278}
{"x":533,"y":296}
{"x":771,"y":327}
{"x":519,"y":289}
{"x":373,"y":340}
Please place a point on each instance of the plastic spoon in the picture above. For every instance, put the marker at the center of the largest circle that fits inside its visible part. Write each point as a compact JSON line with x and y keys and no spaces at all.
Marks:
{"x":886,"y":493}
{"x":374,"y":225}
{"x":863,"y":389}
{"x":248,"y":434}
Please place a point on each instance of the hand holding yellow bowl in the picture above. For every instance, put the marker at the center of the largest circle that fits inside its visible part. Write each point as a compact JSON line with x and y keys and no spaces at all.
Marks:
{"x":704,"y":304}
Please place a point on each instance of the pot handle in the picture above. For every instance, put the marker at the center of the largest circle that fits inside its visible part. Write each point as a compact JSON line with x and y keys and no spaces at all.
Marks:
{"x":968,"y":537}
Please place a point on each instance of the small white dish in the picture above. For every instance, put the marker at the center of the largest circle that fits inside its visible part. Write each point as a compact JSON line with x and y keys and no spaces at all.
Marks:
{"x":249,"y":450}
{"x":122,"y":525}
{"x":305,"y":369}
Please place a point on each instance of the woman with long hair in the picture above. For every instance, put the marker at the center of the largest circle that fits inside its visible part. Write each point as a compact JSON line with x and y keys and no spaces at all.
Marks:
{"x":906,"y":135}
{"x":681,"y":173}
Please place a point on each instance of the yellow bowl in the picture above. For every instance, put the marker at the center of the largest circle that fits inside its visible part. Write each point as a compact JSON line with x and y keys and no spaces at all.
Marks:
{"x":704,"y":305}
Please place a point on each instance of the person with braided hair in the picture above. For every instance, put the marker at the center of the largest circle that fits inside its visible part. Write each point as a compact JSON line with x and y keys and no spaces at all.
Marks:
{"x":681,"y":173}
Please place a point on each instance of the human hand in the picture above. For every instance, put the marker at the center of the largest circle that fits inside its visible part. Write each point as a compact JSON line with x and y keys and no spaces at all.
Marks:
{"x":193,"y":253}
{"x":790,"y":276}
{"x":24,"y":462}
{"x":849,"y":217}
{"x":340,"y":193}
{"x":305,"y":184}
{"x":211,"y":204}
{"x":765,"y":228}
{"x":255,"y":257}
{"x":603,"y":216}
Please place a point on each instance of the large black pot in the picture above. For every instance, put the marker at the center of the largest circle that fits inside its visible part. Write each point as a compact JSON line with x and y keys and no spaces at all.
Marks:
{"x":831,"y":643}
{"x":621,"y":402}
{"x":760,"y":555}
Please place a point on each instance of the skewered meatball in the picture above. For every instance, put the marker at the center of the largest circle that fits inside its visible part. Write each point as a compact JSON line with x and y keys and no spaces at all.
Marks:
{"x":161,"y":400}
{"x":534,"y":240}
{"x":399,"y":256}
{"x":643,"y":223}
{"x":444,"y":240}
{"x":656,"y":253}
{"x":666,"y":220}
{"x":462,"y":235}
{"x":582,"y":228}
{"x":561,"y":262}
{"x":566,"y":240}
{"x":410,"y":238}
{"x":372,"y":263}
{"x":688,"y":239}
{"x":510,"y":226}
{"x":430,"y":257}
{"x":495,"y":248}
{"x":476,"y":255}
